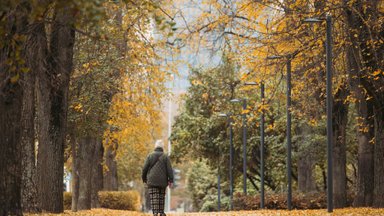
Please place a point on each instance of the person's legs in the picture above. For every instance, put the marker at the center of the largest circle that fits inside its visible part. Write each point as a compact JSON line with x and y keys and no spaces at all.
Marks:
{"x":154,"y":196}
{"x":162,"y":201}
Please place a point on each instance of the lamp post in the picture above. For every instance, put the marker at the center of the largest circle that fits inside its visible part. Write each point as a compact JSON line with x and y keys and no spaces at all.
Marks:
{"x":328,"y":21}
{"x":261,"y":143}
{"x":229,"y":117}
{"x":168,"y":194}
{"x":289,"y":143}
{"x":244,"y":142}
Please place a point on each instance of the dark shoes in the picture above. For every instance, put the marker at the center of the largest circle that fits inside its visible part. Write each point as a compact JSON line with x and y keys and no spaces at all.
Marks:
{"x":159,"y":214}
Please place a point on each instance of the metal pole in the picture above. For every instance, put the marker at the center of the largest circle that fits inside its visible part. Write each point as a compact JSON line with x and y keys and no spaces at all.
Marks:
{"x":262,"y":150}
{"x":231,"y":162}
{"x":329,"y":114}
{"x":218,"y":186}
{"x":289,"y":148}
{"x":168,"y":194}
{"x":244,"y":147}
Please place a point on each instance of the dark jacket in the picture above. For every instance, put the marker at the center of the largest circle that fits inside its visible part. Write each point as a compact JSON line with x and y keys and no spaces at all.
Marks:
{"x":157,"y":170}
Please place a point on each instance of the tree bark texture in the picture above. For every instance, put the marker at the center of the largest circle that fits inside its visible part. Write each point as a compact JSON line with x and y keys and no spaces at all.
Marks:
{"x":110,"y":176}
{"x":86,"y":152}
{"x":87,"y":172}
{"x":340,"y":119}
{"x":10,"y":113}
{"x":364,"y":57}
{"x":75,"y":174}
{"x":10,"y":157}
{"x":35,"y":58}
{"x":305,"y":162}
{"x":97,"y":172}
{"x":365,"y":171}
{"x":52,"y":94}
{"x":378,"y":190}
{"x":306,"y":181}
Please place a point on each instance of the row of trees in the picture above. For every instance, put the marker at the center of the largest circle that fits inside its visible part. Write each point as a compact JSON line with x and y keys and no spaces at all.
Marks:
{"x":248,"y":32}
{"x":80,"y":86}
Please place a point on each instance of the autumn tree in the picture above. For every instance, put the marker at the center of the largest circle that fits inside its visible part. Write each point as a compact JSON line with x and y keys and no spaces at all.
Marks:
{"x":253,"y":30}
{"x":364,"y":37}
{"x":38,"y":47}
{"x":115,"y":91}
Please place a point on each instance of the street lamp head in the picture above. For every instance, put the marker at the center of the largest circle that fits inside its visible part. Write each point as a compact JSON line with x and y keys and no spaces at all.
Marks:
{"x":313,"y":20}
{"x":236,"y":100}
{"x":223,"y":115}
{"x":275,"y":57}
{"x":251,"y":83}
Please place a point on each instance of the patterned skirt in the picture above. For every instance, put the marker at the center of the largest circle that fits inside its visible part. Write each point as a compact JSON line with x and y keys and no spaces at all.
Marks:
{"x":157,"y":197}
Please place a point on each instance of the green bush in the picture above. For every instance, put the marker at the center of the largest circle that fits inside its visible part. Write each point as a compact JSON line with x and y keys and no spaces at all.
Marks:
{"x":121,"y":200}
{"x":210,"y":203}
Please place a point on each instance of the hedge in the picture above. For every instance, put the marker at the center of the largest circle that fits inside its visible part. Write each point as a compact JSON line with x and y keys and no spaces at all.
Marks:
{"x":279,"y":201}
{"x":121,"y":200}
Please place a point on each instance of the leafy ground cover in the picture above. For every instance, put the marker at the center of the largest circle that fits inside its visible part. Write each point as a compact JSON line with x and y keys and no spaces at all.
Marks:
{"x":320,"y":212}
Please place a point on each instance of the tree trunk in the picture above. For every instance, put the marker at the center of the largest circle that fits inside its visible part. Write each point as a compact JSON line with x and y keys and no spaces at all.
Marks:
{"x":28,"y":187}
{"x":378,"y":190}
{"x":10,"y":158}
{"x":364,"y":57}
{"x":51,"y":147}
{"x":35,"y":56}
{"x":97,"y":173}
{"x":86,"y":151}
{"x":306,"y":155}
{"x":340,"y":119}
{"x":11,"y":100}
{"x":365,"y":133}
{"x":306,"y":181}
{"x":110,"y":176}
{"x":305,"y":163}
{"x":75,"y":174}
{"x":365,"y":173}
{"x":52,"y":112}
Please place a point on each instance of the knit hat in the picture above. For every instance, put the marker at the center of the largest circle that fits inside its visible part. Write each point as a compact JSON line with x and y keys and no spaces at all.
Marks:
{"x":159,"y":144}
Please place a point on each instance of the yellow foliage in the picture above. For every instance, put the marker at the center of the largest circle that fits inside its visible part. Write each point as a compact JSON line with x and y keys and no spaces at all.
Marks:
{"x":127,"y":74}
{"x":254,"y":30}
{"x":313,"y":122}
{"x":128,"y":200}
{"x":246,"y":111}
{"x":378,"y":72}
{"x":196,"y":82}
{"x":205,"y":96}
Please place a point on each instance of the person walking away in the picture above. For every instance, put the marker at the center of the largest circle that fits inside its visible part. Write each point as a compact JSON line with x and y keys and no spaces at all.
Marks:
{"x":157,"y":174}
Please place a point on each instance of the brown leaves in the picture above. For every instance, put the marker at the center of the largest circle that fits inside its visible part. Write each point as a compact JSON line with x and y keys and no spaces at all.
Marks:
{"x":96,"y":212}
{"x":320,"y":212}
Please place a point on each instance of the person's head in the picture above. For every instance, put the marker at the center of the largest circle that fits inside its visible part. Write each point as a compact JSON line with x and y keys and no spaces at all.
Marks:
{"x":159,"y":144}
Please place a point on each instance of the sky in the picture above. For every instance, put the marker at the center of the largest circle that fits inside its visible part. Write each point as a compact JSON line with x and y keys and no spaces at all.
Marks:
{"x":190,"y":10}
